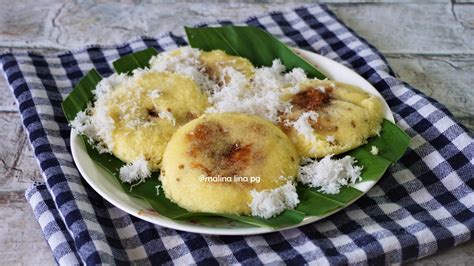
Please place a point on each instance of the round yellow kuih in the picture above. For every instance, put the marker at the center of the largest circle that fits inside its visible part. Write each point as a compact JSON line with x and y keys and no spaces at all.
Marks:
{"x":226,"y":145}
{"x":142,"y":130}
{"x":215,"y":61}
{"x":347,"y":117}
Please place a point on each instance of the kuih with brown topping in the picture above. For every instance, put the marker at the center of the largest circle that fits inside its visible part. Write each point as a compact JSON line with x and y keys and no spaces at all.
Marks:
{"x":225,"y":145}
{"x":226,"y":157}
{"x":346,"y":117}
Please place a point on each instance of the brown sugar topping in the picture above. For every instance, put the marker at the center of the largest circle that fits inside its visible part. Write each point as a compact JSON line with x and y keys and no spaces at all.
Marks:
{"x":152,"y":112}
{"x":201,"y":132}
{"x":311,"y":99}
{"x":238,"y":154}
{"x":226,"y":157}
{"x":203,"y":136}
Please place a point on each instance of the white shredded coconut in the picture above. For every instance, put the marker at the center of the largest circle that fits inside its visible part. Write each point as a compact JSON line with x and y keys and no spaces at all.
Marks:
{"x":96,"y":122}
{"x":186,"y":62}
{"x":328,"y":174}
{"x":262,"y":95}
{"x":108,"y":84}
{"x":82,"y":124}
{"x":374,"y":150}
{"x":137,"y":170}
{"x":168,"y":116}
{"x":296,"y":76}
{"x":303,"y":125}
{"x":330,"y":139}
{"x":154,"y":94}
{"x":271,"y":202}
{"x":99,"y":117}
{"x":157,"y":189}
{"x":88,"y":123}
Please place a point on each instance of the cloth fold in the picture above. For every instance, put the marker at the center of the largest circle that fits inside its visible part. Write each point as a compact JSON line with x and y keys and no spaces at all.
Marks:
{"x":424,"y":203}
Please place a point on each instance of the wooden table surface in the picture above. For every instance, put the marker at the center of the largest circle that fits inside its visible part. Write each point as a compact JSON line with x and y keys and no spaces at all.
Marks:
{"x":429,"y":45}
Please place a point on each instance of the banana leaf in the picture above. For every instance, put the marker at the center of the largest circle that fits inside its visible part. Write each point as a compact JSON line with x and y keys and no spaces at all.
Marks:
{"x":391,"y":143}
{"x":313,"y":202}
{"x":81,"y":95}
{"x":140,"y":59}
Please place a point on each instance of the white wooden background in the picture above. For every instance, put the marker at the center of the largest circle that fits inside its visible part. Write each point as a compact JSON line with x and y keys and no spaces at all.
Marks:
{"x":429,"y":44}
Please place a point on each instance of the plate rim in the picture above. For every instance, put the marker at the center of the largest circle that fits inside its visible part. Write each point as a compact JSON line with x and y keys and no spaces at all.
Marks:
{"x":78,"y":150}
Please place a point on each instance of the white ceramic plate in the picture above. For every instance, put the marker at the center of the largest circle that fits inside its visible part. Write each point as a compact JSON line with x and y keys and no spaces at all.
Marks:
{"x":111,"y":190}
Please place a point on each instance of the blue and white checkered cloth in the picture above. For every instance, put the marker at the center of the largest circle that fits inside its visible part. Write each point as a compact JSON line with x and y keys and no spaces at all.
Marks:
{"x":423,"y":204}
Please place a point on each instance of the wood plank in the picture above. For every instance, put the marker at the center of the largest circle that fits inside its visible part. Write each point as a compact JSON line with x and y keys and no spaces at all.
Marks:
{"x":73,"y":25}
{"x":393,"y":28}
{"x":7,"y":101}
{"x":410,"y":28}
{"x":447,"y":79}
{"x":18,"y":166}
{"x":464,"y":14}
{"x":27,"y":22}
{"x":21,"y":240}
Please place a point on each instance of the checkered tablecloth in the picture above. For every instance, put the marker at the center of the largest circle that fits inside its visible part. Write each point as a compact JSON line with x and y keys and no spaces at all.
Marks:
{"x":423,"y":204}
